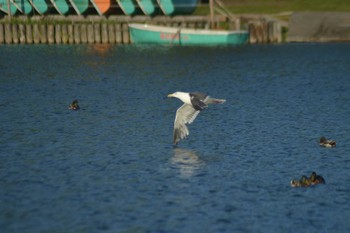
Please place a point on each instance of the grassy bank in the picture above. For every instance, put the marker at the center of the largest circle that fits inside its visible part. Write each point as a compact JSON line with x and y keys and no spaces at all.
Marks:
{"x":278,"y":6}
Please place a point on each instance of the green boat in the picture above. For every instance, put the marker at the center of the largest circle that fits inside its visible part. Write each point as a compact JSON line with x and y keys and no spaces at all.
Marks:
{"x":148,"y":7}
{"x":23,"y":6}
{"x":4,"y":7}
{"x":129,"y":7}
{"x":177,"y":7}
{"x":150,"y":34}
{"x":61,"y":6}
{"x":80,"y":6}
{"x":40,"y":6}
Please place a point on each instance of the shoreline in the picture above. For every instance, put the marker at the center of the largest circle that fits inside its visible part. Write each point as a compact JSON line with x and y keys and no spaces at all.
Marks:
{"x":58,"y":29}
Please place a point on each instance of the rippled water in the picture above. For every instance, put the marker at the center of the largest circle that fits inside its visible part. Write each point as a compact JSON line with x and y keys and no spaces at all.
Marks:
{"x":111,"y":166}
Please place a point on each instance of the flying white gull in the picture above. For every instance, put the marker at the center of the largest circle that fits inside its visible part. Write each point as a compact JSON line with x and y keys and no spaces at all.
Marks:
{"x":194,"y":102}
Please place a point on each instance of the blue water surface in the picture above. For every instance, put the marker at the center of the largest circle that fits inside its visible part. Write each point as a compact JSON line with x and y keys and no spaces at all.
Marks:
{"x":111,"y":166}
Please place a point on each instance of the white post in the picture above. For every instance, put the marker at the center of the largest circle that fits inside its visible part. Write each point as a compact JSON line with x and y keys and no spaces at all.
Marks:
{"x":211,"y":6}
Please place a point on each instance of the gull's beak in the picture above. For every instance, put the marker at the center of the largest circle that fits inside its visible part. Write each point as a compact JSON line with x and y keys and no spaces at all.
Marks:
{"x":171,"y":95}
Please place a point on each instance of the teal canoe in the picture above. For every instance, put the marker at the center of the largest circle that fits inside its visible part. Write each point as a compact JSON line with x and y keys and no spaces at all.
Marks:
{"x":148,"y":7}
{"x":150,"y":34}
{"x":40,"y":6}
{"x":129,"y":7}
{"x":176,"y":7}
{"x":80,"y":6}
{"x":4,"y":7}
{"x":23,"y":6}
{"x":61,"y":6}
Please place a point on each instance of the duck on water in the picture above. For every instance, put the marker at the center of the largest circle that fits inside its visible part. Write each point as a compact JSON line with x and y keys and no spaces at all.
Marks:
{"x":74,"y":105}
{"x":324,"y":142}
{"x":304,"y":181}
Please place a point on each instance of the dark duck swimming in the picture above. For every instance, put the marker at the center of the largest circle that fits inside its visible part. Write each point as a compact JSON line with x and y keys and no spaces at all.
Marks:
{"x":324,"y":142}
{"x":304,"y":181}
{"x":74,"y":105}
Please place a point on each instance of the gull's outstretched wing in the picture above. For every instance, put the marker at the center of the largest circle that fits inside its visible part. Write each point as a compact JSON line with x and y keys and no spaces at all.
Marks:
{"x":184,"y":115}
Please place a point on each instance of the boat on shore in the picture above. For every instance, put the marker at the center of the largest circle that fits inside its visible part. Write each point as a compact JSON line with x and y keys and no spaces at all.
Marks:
{"x":129,"y":7}
{"x":39,"y":6}
{"x":148,"y":7}
{"x":101,"y":6}
{"x":23,"y":6}
{"x":151,"y":34}
{"x":61,"y":6}
{"x":177,"y":7}
{"x":80,"y":6}
{"x":5,"y":5}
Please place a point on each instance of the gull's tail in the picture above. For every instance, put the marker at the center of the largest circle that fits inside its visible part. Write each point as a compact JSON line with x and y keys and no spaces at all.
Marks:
{"x":214,"y":101}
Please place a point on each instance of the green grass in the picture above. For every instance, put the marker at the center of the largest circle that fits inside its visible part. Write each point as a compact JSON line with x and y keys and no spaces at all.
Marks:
{"x":278,"y":6}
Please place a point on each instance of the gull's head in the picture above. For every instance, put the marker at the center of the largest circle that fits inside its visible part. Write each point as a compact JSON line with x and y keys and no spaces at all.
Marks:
{"x":178,"y":94}
{"x":173,"y":94}
{"x":183,"y":96}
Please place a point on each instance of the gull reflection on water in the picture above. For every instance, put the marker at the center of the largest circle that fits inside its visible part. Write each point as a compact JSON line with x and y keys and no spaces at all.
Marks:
{"x":187,"y":161}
